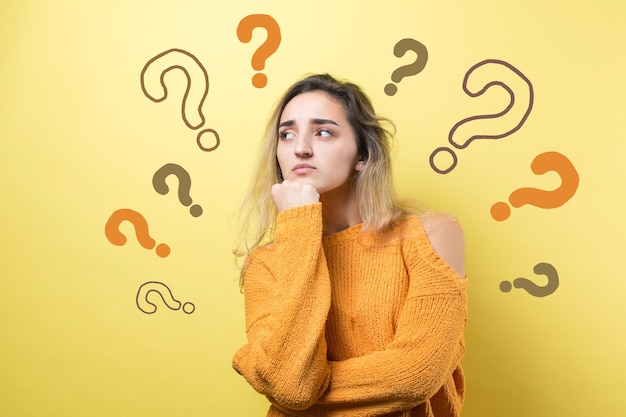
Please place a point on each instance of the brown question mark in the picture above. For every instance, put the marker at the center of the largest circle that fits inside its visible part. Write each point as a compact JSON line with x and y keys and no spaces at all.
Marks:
{"x":184,"y":185}
{"x":401,"y":48}
{"x":530,"y":287}
{"x":184,"y":60}
{"x":466,"y":143}
{"x":155,"y":287}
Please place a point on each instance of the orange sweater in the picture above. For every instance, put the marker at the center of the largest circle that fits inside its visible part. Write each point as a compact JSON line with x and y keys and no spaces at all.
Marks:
{"x":353,"y":324}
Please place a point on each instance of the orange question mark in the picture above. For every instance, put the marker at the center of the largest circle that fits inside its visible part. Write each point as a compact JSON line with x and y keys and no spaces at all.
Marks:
{"x":244,"y":33}
{"x":113,"y":234}
{"x":545,"y":162}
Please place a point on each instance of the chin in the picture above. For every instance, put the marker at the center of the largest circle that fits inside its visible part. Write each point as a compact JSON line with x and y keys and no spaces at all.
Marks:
{"x":302,"y":180}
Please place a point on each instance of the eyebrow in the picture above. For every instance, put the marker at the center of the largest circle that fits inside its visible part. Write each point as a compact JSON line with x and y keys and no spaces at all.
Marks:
{"x":313,"y":121}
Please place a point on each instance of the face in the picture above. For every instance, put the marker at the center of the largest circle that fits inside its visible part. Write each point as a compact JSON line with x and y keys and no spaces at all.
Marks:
{"x":316,"y":143}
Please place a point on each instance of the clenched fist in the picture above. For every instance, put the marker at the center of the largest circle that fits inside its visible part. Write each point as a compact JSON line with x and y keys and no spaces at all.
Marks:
{"x":290,"y":194}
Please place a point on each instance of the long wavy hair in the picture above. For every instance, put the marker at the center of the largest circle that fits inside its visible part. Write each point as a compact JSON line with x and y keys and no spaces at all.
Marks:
{"x":378,"y":204}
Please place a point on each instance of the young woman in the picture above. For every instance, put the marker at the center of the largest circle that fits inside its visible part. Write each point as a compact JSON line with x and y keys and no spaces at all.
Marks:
{"x":354,"y":305}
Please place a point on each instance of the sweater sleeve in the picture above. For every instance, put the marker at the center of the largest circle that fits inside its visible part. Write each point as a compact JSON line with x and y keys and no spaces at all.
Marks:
{"x":287,"y":298}
{"x":424,"y":354}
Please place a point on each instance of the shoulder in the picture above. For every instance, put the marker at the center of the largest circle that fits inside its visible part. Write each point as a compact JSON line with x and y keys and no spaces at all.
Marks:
{"x":446,"y":238}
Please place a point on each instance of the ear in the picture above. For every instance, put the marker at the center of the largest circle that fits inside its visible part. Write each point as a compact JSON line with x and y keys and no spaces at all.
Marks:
{"x":360,"y":165}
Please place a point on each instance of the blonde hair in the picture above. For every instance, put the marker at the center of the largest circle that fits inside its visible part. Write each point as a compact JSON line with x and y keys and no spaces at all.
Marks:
{"x":379,"y":206}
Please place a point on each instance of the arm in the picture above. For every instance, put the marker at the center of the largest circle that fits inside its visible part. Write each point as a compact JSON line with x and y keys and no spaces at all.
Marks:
{"x":428,"y":343}
{"x":287,"y":298}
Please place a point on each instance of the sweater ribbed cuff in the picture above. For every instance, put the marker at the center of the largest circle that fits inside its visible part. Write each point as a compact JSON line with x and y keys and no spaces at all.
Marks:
{"x":299,"y":221}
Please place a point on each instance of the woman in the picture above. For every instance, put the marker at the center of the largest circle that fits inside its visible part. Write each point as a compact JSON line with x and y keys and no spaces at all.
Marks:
{"x":354,"y":305}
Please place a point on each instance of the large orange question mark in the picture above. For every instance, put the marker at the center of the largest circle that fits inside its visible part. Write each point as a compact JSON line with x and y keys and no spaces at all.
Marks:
{"x":465,"y":144}
{"x":545,"y":162}
{"x":156,"y":287}
{"x":113,"y":234}
{"x":188,"y":61}
{"x":413,"y":68}
{"x":263,"y":52}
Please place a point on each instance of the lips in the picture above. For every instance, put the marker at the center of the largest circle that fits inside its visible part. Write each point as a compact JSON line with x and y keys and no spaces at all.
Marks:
{"x":303,"y":169}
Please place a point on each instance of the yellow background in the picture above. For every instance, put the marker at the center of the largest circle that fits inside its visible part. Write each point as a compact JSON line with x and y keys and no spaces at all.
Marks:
{"x":80,"y":140}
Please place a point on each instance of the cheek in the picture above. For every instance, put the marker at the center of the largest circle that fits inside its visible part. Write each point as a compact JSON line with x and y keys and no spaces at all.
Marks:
{"x":280,"y":156}
{"x":348,"y":159}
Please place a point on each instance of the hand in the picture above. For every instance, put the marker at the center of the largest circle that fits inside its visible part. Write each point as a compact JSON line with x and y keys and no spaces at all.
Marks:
{"x":289,"y":194}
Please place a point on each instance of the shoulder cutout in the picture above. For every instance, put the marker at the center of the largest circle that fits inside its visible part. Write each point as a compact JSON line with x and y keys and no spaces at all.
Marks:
{"x":446,"y":237}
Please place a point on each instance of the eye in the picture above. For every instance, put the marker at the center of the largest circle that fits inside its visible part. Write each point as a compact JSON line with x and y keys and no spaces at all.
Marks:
{"x":324,"y":133}
{"x":285,"y":134}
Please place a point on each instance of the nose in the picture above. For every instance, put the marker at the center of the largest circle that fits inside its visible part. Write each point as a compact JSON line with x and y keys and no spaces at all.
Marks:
{"x":303,"y":148}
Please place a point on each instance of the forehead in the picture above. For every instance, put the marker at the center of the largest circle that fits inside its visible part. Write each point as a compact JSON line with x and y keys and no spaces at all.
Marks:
{"x":313,"y":104}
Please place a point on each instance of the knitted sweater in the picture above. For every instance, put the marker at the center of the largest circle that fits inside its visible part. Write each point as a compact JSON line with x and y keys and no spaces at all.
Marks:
{"x":353,"y":324}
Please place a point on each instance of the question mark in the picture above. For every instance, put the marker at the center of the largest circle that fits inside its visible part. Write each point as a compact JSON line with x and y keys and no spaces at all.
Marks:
{"x":485,"y":116}
{"x":113,"y":234}
{"x":191,"y":62}
{"x":414,"y":68}
{"x":532,"y":288}
{"x":184,"y":185}
{"x":166,"y":295}
{"x":545,"y":162}
{"x":244,"y":33}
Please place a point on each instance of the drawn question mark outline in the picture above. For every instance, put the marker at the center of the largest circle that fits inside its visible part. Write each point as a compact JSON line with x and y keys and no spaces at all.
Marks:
{"x":414,"y":68}
{"x":509,"y":132}
{"x":113,"y":234}
{"x":268,"y":47}
{"x":205,"y":91}
{"x":184,"y":185}
{"x":164,"y":292}
{"x":530,"y":287}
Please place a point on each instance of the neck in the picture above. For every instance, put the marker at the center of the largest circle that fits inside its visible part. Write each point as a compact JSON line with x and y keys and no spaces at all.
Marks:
{"x":340,"y":209}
